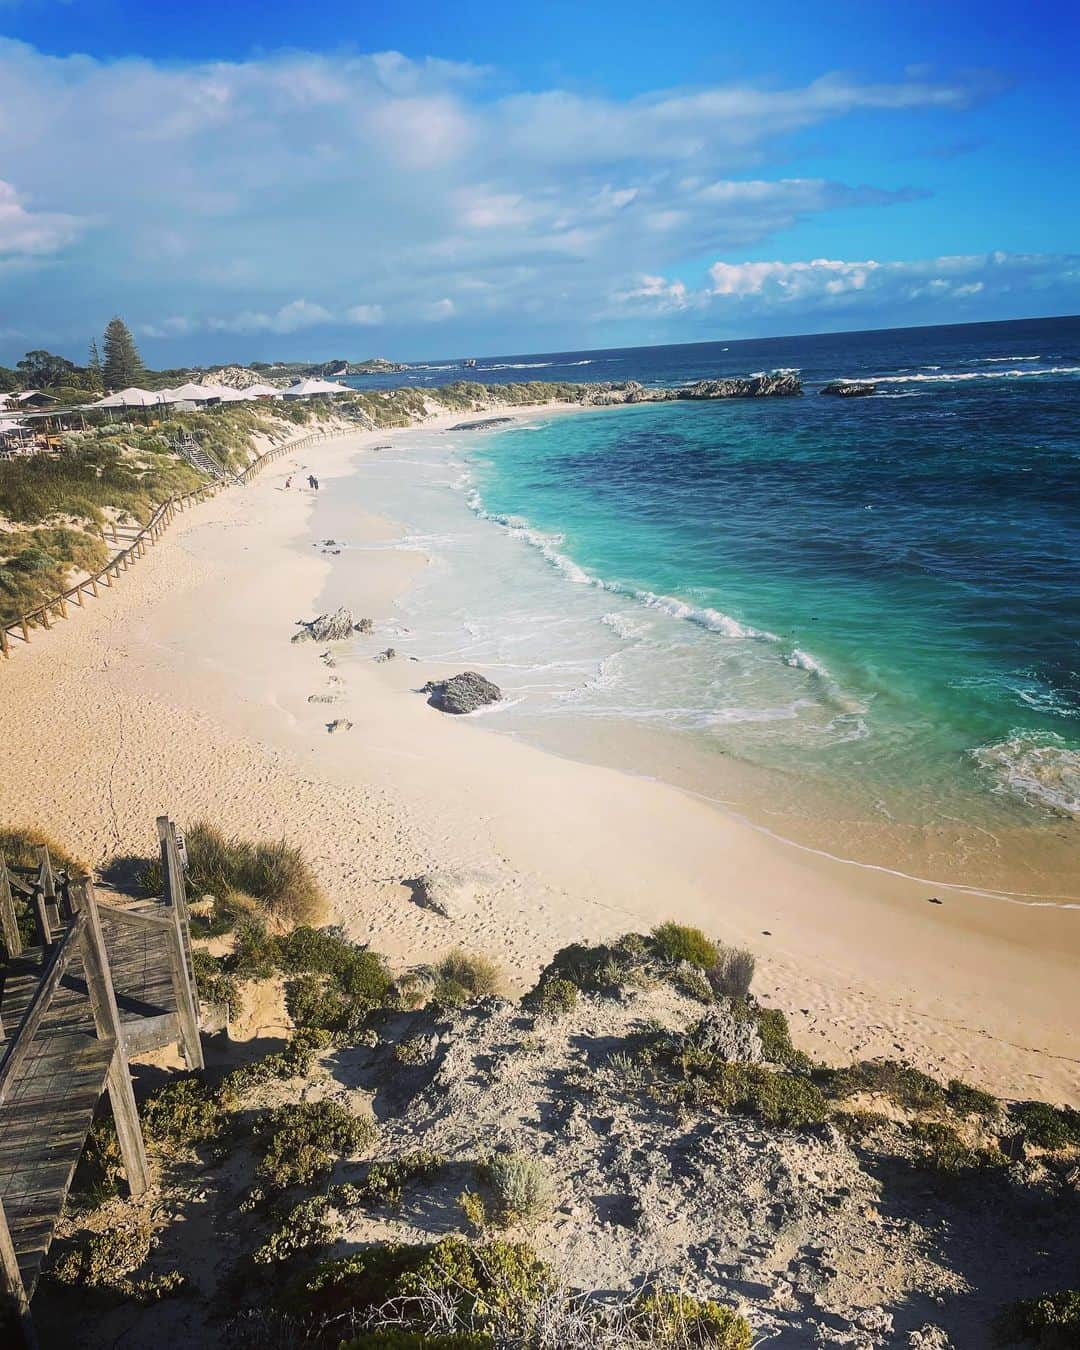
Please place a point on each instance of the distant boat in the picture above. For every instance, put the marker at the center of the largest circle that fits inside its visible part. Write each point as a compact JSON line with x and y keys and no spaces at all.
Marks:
{"x":469,"y":363}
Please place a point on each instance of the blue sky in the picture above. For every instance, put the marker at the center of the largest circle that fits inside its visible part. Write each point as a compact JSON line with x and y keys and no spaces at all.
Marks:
{"x":244,"y":181}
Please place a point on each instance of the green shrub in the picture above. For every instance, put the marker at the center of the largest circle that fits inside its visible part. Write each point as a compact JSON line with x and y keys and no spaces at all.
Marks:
{"x":941,"y":1149}
{"x":294,"y":1061}
{"x":676,"y":942}
{"x":598,"y":968}
{"x":255,"y":953}
{"x":482,"y":1280}
{"x":774,"y":1031}
{"x":337,"y":984}
{"x":785,"y":1099}
{"x":215,"y":987}
{"x":308,"y":1226}
{"x":301,"y":1141}
{"x":181,"y":1115}
{"x":857,"y":1125}
{"x":552,"y":998}
{"x":1050,"y":1127}
{"x":970,"y":1101}
{"x":1051,"y":1322}
{"x":903,"y":1083}
{"x":103,"y":1259}
{"x":522,"y":1186}
{"x":460,"y":977}
{"x":386,"y":1180}
{"x":666,"y":1318}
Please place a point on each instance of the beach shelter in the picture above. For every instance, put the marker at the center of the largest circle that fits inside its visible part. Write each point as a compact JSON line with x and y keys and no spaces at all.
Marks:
{"x":191,"y":393}
{"x":130,"y":398}
{"x":314,"y":388}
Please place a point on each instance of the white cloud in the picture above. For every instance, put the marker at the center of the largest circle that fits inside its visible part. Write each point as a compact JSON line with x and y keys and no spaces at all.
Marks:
{"x":25,"y":233}
{"x":241,"y":186}
{"x":823,"y":285}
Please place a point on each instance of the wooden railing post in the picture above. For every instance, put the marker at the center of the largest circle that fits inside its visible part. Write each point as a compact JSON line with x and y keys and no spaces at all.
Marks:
{"x":47,"y":882}
{"x":107,"y":1019}
{"x":9,"y":924}
{"x":13,"y":1286}
{"x":187,"y":999}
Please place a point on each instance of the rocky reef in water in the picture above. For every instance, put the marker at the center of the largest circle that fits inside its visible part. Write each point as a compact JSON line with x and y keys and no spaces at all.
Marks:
{"x":850,"y":388}
{"x":779,"y":384}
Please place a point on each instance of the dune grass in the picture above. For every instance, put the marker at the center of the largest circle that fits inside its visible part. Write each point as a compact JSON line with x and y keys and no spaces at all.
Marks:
{"x":19,"y":844}
{"x":273,"y":874}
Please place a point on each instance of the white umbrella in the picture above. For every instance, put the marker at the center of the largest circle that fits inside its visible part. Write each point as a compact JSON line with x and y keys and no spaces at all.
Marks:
{"x":130,"y":398}
{"x":305,"y":388}
{"x":191,"y":393}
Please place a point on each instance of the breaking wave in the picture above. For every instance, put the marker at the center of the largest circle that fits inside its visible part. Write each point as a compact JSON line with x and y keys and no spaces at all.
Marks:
{"x":1039,"y":768}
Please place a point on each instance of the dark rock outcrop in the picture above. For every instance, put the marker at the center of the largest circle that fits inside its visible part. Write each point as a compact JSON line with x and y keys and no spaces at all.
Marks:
{"x":482,"y":425}
{"x":778,"y":384}
{"x":850,"y":388}
{"x":462,"y":693}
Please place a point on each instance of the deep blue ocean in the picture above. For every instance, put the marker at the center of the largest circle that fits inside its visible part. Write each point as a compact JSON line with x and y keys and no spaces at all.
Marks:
{"x":879,"y":593}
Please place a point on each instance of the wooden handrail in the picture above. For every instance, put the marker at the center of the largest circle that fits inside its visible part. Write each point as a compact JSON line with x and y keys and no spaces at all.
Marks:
{"x":19,"y":1045}
{"x":43,"y":614}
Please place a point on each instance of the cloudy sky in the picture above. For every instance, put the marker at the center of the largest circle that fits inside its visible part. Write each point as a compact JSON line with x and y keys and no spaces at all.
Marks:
{"x":259,"y":180}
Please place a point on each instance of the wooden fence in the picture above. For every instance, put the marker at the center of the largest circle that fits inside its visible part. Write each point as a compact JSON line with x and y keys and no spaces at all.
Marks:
{"x":57,"y":608}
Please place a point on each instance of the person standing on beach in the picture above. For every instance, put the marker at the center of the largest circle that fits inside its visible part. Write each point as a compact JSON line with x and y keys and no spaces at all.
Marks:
{"x":315,"y":484}
{"x":311,"y":481}
{"x":288,"y":481}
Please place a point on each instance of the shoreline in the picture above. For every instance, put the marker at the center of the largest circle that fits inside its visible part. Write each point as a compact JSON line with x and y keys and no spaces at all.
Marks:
{"x":573,"y":850}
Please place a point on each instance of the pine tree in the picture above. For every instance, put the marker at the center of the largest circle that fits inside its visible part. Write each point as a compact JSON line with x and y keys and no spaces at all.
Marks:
{"x":123,"y":365}
{"x":93,"y":366}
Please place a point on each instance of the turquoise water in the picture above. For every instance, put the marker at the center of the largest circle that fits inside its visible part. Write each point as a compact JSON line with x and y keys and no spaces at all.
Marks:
{"x":873,"y":598}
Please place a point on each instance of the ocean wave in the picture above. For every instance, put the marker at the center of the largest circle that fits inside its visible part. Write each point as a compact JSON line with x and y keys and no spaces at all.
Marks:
{"x":957,"y":376}
{"x":702,"y":616}
{"x":1038,"y":768}
{"x":990,"y":360}
{"x":801,"y":660}
{"x":523,"y":365}
{"x":623,"y":625}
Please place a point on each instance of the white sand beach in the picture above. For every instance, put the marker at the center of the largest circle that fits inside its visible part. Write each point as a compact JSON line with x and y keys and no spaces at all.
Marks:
{"x":180,"y":691}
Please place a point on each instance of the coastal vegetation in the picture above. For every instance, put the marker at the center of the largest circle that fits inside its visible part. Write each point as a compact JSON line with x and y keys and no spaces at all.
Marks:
{"x":407,"y":1165}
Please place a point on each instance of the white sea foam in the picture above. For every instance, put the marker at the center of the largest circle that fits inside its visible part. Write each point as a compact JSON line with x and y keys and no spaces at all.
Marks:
{"x":957,"y":376}
{"x":624,"y":625}
{"x":516,"y":365}
{"x":801,"y":660}
{"x":989,"y":360}
{"x":1040,"y":769}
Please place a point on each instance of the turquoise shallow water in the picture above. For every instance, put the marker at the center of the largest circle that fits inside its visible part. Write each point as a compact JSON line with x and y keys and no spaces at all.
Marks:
{"x":874,"y":599}
{"x":910,"y":561}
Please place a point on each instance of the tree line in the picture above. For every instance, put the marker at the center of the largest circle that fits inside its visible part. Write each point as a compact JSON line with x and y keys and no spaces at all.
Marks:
{"x":116,"y":365}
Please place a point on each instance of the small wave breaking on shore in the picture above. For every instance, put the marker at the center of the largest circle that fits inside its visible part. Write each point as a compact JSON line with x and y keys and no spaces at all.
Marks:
{"x":1040,"y":769}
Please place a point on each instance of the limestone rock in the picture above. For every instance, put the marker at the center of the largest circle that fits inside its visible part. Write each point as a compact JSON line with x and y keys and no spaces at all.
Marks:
{"x":929,"y":1337}
{"x":452,"y":892}
{"x":719,"y":1032}
{"x":334,"y":627}
{"x":462,"y":693}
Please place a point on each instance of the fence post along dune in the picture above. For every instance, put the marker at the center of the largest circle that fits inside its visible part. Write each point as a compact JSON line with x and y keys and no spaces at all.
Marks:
{"x":43,"y":616}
